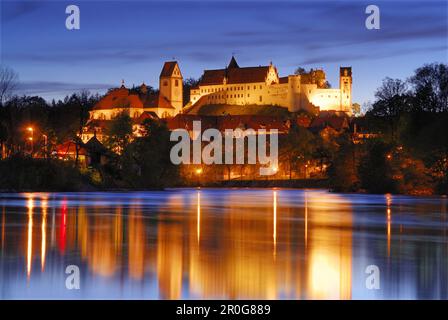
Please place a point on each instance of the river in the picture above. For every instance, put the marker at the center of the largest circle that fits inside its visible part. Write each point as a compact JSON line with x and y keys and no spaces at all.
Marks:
{"x":223,"y":244}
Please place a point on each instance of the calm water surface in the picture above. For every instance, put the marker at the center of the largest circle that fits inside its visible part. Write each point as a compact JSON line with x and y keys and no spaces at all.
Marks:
{"x":223,"y":243}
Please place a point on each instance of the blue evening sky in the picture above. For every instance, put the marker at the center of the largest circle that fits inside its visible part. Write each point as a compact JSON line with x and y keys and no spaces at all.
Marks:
{"x":130,"y":40}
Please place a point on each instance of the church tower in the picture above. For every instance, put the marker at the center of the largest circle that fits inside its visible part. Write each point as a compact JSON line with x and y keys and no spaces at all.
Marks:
{"x":170,"y":84}
{"x":345,"y":85}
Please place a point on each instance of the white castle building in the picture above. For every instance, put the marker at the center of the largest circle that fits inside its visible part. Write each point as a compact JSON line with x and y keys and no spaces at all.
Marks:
{"x":262,"y":85}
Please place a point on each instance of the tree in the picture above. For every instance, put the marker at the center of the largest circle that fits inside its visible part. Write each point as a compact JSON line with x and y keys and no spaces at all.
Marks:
{"x":188,"y":84}
{"x":138,"y":90}
{"x":392,"y":100}
{"x":300,"y":71}
{"x":356,"y":109}
{"x":8,"y":82}
{"x":297,"y":147}
{"x":430,"y":85}
{"x":343,"y":173}
{"x":376,"y":168}
{"x":69,"y":115}
{"x":119,"y":132}
{"x":20,"y":113}
{"x":146,"y":161}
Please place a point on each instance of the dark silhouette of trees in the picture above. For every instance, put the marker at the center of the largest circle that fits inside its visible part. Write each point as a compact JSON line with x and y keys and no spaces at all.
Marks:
{"x":430,"y":87}
{"x":297,"y":148}
{"x":188,"y":84}
{"x":146,"y":161}
{"x":119,"y":132}
{"x":8,"y":82}
{"x":344,"y":160}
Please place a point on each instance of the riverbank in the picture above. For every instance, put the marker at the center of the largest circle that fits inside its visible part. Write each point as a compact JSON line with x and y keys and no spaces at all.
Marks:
{"x":290,"y":184}
{"x":293,"y":183}
{"x":21,"y":174}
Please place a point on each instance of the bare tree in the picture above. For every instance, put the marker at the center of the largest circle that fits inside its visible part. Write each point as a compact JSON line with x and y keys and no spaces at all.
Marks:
{"x":391,"y":88}
{"x":8,"y":82}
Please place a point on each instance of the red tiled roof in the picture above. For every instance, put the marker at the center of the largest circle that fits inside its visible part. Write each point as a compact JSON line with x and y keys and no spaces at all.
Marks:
{"x":168,"y":69}
{"x":213,"y":77}
{"x":116,"y":98}
{"x":122,"y":98}
{"x":155,"y":101}
{"x":337,"y":123}
{"x":235,"y":75}
{"x":233,"y":63}
{"x":146,"y":115}
{"x":185,"y":121}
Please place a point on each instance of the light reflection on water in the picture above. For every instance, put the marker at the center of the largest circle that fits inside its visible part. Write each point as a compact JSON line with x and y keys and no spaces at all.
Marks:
{"x":223,"y":243}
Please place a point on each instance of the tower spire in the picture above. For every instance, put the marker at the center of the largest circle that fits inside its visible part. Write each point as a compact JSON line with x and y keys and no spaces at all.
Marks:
{"x":233,"y":63}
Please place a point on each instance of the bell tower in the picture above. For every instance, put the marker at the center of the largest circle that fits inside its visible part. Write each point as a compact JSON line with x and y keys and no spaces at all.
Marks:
{"x":170,"y":84}
{"x":345,"y":86}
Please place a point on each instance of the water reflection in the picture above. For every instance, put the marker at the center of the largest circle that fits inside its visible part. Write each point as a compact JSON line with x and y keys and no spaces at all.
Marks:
{"x":236,"y":243}
{"x":43,"y":246}
{"x":330,"y":248}
{"x":29,"y":247}
{"x":389,"y":222}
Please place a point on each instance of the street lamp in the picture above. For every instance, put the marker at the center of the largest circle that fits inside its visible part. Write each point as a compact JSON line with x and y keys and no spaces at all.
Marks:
{"x":31,"y":131}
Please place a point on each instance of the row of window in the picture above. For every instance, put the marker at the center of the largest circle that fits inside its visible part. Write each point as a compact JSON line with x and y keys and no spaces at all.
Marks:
{"x":235,"y":88}
{"x":328,"y":96}
{"x":231,"y":96}
{"x":228,"y":96}
{"x":102,"y":116}
{"x":136,"y":114}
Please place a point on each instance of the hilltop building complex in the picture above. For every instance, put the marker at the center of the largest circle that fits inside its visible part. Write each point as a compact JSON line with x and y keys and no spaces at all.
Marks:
{"x":231,"y":87}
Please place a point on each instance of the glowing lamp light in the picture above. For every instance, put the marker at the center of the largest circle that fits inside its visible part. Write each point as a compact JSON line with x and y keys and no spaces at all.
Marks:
{"x":389,"y":156}
{"x":274,"y":169}
{"x":30,"y":138}
{"x":198,"y":171}
{"x":30,"y":129}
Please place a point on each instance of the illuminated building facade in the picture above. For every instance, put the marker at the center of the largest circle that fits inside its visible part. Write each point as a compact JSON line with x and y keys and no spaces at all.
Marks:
{"x":262,"y":85}
{"x":140,"y":103}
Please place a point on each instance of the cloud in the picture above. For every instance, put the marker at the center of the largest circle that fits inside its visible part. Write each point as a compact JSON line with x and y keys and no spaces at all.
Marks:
{"x":302,"y":28}
{"x":55,"y":87}
{"x":333,"y":58}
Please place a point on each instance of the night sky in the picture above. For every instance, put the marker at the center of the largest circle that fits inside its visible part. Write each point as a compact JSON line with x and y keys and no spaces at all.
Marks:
{"x":130,"y":40}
